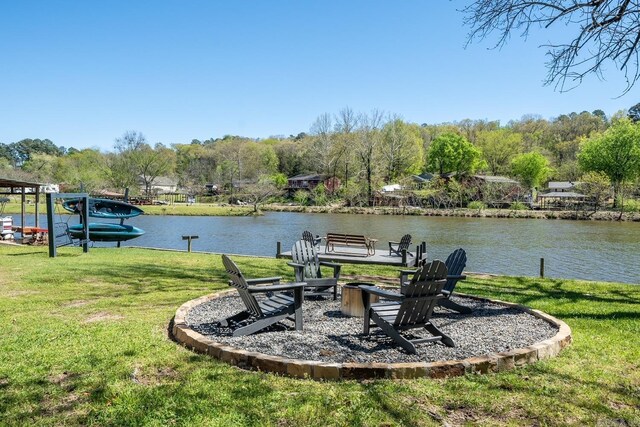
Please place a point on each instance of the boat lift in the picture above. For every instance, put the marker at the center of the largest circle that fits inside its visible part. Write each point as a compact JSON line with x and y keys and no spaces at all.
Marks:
{"x":84,"y":218}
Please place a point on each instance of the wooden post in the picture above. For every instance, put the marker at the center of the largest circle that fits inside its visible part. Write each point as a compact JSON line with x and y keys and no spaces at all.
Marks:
{"x":404,"y":257}
{"x":189,"y":239}
{"x":542,"y":268}
{"x":278,"y":249}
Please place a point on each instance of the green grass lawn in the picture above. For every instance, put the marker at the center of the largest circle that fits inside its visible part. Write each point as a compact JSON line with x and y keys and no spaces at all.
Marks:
{"x":85,"y":342}
{"x":201,"y":209}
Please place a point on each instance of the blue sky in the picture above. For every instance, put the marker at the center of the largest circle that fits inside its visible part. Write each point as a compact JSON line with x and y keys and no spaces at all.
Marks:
{"x":81,"y":73}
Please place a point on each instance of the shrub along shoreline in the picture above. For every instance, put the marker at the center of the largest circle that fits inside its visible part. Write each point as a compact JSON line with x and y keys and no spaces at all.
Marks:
{"x":461,"y":212}
{"x":210,"y":209}
{"x":85,"y":343}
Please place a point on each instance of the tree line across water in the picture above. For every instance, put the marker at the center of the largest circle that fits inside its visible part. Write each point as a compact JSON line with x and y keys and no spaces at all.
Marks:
{"x":364,"y":151}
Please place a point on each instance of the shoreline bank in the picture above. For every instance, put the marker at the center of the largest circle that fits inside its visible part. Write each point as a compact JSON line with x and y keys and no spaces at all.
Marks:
{"x":463,"y":212}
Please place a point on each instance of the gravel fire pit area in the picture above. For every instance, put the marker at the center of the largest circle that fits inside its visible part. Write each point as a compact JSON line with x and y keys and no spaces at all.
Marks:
{"x":495,"y":336}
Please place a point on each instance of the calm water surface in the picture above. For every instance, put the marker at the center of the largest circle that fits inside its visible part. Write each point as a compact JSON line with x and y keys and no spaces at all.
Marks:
{"x":593,"y":250}
{"x":572,"y":249}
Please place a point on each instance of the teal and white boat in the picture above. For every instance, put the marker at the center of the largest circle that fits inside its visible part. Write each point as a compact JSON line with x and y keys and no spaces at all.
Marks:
{"x":105,"y":208}
{"x":106,"y":232}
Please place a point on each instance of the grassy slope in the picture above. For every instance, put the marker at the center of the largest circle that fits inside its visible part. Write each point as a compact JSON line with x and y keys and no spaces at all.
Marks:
{"x":14,"y":208}
{"x":85,"y":342}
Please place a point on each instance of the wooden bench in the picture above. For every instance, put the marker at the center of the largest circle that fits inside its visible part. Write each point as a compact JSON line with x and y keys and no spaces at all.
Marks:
{"x":350,"y":240}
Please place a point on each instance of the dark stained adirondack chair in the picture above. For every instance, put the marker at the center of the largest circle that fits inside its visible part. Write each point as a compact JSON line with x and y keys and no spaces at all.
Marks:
{"x":410,"y":309}
{"x":398,"y":247}
{"x":308,"y":236}
{"x":307,"y":269}
{"x":260,"y":314}
{"x":456,"y":261}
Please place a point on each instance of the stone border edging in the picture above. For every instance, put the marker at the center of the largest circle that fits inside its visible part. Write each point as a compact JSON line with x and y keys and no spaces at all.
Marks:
{"x":492,"y":362}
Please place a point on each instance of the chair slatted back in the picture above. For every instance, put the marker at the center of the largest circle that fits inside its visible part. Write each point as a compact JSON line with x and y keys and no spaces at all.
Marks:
{"x":237,"y":280}
{"x":304,"y":252}
{"x":405,"y":241}
{"x":420,"y":294}
{"x":308,"y":236}
{"x":455,"y":263}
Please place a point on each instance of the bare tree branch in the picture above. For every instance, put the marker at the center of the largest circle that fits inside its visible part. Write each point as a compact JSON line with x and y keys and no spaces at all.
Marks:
{"x":605,"y":31}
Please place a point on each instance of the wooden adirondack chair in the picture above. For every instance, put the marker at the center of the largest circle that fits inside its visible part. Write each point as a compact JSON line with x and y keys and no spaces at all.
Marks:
{"x":262,"y":313}
{"x":456,"y":261}
{"x":308,"y":236}
{"x":306,"y":265}
{"x":410,"y":309}
{"x":398,"y":247}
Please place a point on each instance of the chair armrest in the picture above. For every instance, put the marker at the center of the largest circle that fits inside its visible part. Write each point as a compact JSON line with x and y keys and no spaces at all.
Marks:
{"x":262,"y":280}
{"x":274,"y":288}
{"x":295,"y":265}
{"x":331,"y":264}
{"x":458,"y":277}
{"x":381,"y":292}
{"x":407,"y":272}
{"x":393,"y":243}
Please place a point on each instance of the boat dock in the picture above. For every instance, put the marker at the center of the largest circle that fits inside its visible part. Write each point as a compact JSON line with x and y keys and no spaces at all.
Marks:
{"x":359,"y":256}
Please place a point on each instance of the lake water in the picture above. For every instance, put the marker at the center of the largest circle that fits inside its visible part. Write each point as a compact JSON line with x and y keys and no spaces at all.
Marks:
{"x":592,"y":250}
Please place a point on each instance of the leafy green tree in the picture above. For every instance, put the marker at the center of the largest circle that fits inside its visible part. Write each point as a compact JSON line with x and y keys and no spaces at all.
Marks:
{"x":498,"y":148}
{"x":279,"y":180}
{"x":532,"y":169}
{"x":40,"y":166}
{"x":84,"y":169}
{"x":258,"y":192}
{"x":616,"y":153}
{"x":136,"y":160}
{"x":401,"y":149}
{"x":301,"y":197}
{"x":451,"y":152}
{"x":597,"y":186}
{"x":366,"y":146}
{"x":5,"y":164}
{"x":22,"y":150}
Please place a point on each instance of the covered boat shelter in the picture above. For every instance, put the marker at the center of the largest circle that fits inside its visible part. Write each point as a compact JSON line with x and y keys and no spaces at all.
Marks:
{"x":24,"y":189}
{"x":562,"y":199}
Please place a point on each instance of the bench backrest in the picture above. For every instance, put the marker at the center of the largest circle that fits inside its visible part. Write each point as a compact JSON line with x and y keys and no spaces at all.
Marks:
{"x":347,"y":239}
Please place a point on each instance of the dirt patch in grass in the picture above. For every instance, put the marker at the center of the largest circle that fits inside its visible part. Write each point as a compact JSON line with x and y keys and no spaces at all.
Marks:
{"x":153,"y":376}
{"x":78,"y":303}
{"x":16,"y":294}
{"x":102,"y":317}
{"x":62,"y":379}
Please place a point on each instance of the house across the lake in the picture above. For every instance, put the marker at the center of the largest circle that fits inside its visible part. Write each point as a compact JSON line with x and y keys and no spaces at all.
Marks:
{"x":161,"y":184}
{"x":309,"y":182}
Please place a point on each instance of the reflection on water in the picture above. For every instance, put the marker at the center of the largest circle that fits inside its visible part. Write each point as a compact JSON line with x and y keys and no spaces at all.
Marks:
{"x":593,"y":250}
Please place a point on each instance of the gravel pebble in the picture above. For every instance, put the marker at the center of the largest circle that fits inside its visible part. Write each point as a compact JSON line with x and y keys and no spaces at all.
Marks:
{"x":329,"y":336}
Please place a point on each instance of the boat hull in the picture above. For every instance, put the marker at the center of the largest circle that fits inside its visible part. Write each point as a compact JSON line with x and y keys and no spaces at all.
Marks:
{"x":105,"y":208}
{"x":106,"y":232}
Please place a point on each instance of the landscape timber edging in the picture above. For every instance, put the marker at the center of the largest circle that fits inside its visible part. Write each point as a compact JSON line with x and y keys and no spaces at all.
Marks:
{"x":312,"y":369}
